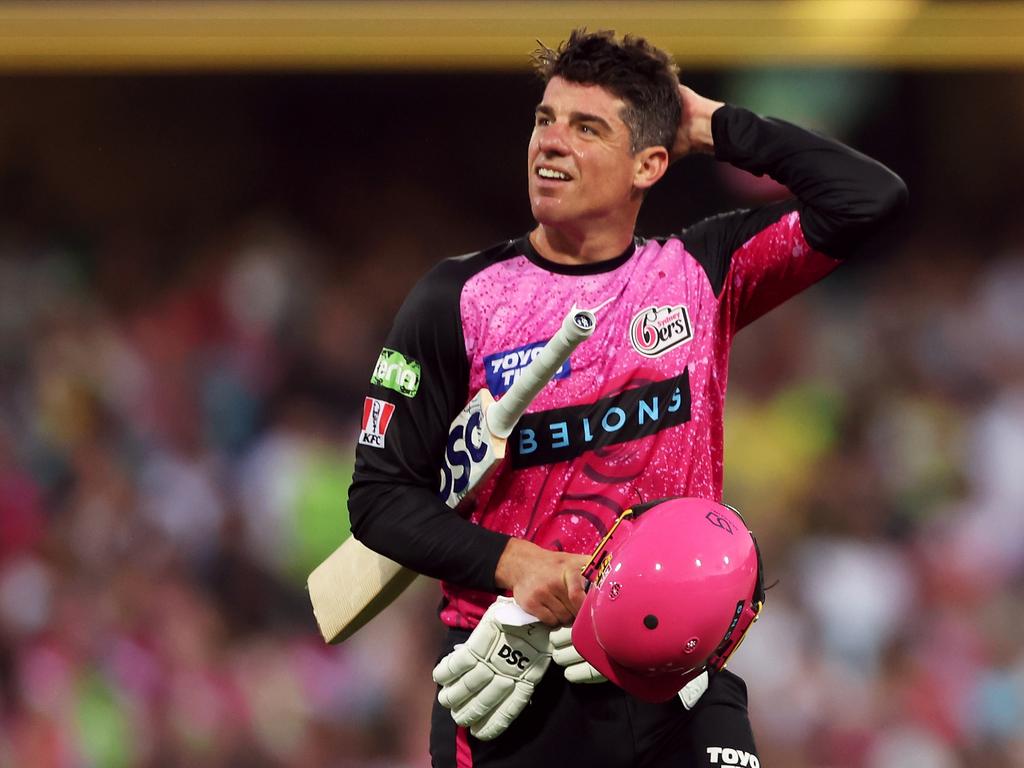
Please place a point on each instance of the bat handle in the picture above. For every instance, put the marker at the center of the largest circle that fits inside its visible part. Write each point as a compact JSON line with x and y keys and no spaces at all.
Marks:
{"x":578,"y":325}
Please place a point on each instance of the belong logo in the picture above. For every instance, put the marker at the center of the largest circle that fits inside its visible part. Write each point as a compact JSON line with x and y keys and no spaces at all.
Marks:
{"x":656,"y":330}
{"x":562,"y":434}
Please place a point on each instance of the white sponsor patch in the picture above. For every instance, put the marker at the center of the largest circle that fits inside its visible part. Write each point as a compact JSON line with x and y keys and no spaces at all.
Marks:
{"x":376,"y":420}
{"x":730,"y":756}
{"x":656,"y":330}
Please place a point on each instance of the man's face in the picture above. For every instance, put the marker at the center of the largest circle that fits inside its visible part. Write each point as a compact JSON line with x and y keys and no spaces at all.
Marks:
{"x":580,"y":161}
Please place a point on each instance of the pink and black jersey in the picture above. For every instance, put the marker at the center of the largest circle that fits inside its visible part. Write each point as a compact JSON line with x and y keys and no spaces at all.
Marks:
{"x":636,"y":413}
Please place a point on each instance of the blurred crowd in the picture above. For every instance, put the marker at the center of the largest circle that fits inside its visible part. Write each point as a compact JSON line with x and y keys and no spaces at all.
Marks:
{"x":176,"y":445}
{"x":876,"y":439}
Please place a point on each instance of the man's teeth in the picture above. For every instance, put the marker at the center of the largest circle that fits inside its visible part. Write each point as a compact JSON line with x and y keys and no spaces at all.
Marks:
{"x":547,"y":173}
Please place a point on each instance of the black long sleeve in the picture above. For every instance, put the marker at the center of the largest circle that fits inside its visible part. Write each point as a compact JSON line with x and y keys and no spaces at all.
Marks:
{"x":843,"y":196}
{"x":393,"y":504}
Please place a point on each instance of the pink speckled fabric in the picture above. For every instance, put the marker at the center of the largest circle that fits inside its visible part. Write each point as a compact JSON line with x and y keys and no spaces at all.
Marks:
{"x":569,"y":505}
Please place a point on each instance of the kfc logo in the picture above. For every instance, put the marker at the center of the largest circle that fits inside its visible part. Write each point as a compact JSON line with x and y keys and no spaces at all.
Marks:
{"x":376,"y":420}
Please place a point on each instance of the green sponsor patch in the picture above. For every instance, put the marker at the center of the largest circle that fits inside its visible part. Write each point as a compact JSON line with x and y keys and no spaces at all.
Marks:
{"x":398,"y":372}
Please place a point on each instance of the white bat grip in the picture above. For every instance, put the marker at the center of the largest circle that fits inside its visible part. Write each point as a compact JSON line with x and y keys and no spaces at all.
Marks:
{"x":503,"y":415}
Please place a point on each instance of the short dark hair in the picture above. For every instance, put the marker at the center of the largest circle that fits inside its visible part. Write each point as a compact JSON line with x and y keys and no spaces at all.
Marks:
{"x":643,"y":76}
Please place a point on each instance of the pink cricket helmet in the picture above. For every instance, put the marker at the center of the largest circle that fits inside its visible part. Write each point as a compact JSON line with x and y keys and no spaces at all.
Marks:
{"x":672,"y":590}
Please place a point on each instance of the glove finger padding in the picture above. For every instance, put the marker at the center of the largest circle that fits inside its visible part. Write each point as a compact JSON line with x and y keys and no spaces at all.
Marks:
{"x":564,"y":653}
{"x":485,"y":702}
{"x":584,"y":673}
{"x":454,"y":665}
{"x":495,"y":723}
{"x":563,"y":657}
{"x":454,"y":695}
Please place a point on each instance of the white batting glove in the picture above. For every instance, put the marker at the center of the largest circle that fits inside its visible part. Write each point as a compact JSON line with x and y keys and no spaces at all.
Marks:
{"x":564,"y":653}
{"x":693,"y":690}
{"x":488,"y":680}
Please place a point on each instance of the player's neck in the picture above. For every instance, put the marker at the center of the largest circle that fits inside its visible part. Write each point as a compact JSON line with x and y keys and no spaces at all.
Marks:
{"x":565,"y":246}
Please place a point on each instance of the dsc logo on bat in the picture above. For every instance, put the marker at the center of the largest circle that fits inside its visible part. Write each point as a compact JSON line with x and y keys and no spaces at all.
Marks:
{"x":465,"y":449}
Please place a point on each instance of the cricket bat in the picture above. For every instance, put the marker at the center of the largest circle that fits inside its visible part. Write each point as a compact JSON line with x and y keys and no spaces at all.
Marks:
{"x":355,"y":583}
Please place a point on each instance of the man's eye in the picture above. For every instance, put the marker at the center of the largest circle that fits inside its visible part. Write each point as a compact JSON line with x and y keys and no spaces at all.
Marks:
{"x":543,"y":120}
{"x":587,"y":129}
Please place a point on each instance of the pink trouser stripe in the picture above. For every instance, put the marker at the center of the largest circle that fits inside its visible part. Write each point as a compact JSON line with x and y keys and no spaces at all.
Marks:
{"x":463,"y":755}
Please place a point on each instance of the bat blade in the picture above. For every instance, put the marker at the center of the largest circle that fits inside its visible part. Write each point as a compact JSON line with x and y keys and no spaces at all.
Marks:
{"x":352,"y":586}
{"x":355,"y":583}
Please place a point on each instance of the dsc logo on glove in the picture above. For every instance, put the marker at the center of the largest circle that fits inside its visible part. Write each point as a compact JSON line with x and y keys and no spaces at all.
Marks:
{"x":513,"y":657}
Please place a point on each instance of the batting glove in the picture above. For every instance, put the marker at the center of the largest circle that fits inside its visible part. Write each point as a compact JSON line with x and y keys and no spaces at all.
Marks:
{"x":579,"y":670}
{"x":693,"y":690}
{"x":564,"y":653}
{"x":488,"y":680}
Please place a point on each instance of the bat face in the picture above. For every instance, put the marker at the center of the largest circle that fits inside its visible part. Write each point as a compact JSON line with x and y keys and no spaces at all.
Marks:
{"x":471,"y":452}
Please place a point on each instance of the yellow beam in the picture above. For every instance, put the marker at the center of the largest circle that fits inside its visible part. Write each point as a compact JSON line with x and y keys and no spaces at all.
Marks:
{"x":233,"y":35}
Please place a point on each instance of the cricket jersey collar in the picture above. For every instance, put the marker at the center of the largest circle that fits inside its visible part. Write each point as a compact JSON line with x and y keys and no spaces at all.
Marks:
{"x":525,"y":247}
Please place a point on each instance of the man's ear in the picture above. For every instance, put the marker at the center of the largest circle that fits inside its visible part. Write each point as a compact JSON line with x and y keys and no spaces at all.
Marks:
{"x":651,"y":164}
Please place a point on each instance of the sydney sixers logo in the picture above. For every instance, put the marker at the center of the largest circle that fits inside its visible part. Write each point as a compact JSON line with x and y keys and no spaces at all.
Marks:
{"x":656,"y":330}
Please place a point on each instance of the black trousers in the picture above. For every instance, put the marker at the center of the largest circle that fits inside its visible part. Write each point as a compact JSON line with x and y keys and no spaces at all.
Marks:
{"x":601,"y":726}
